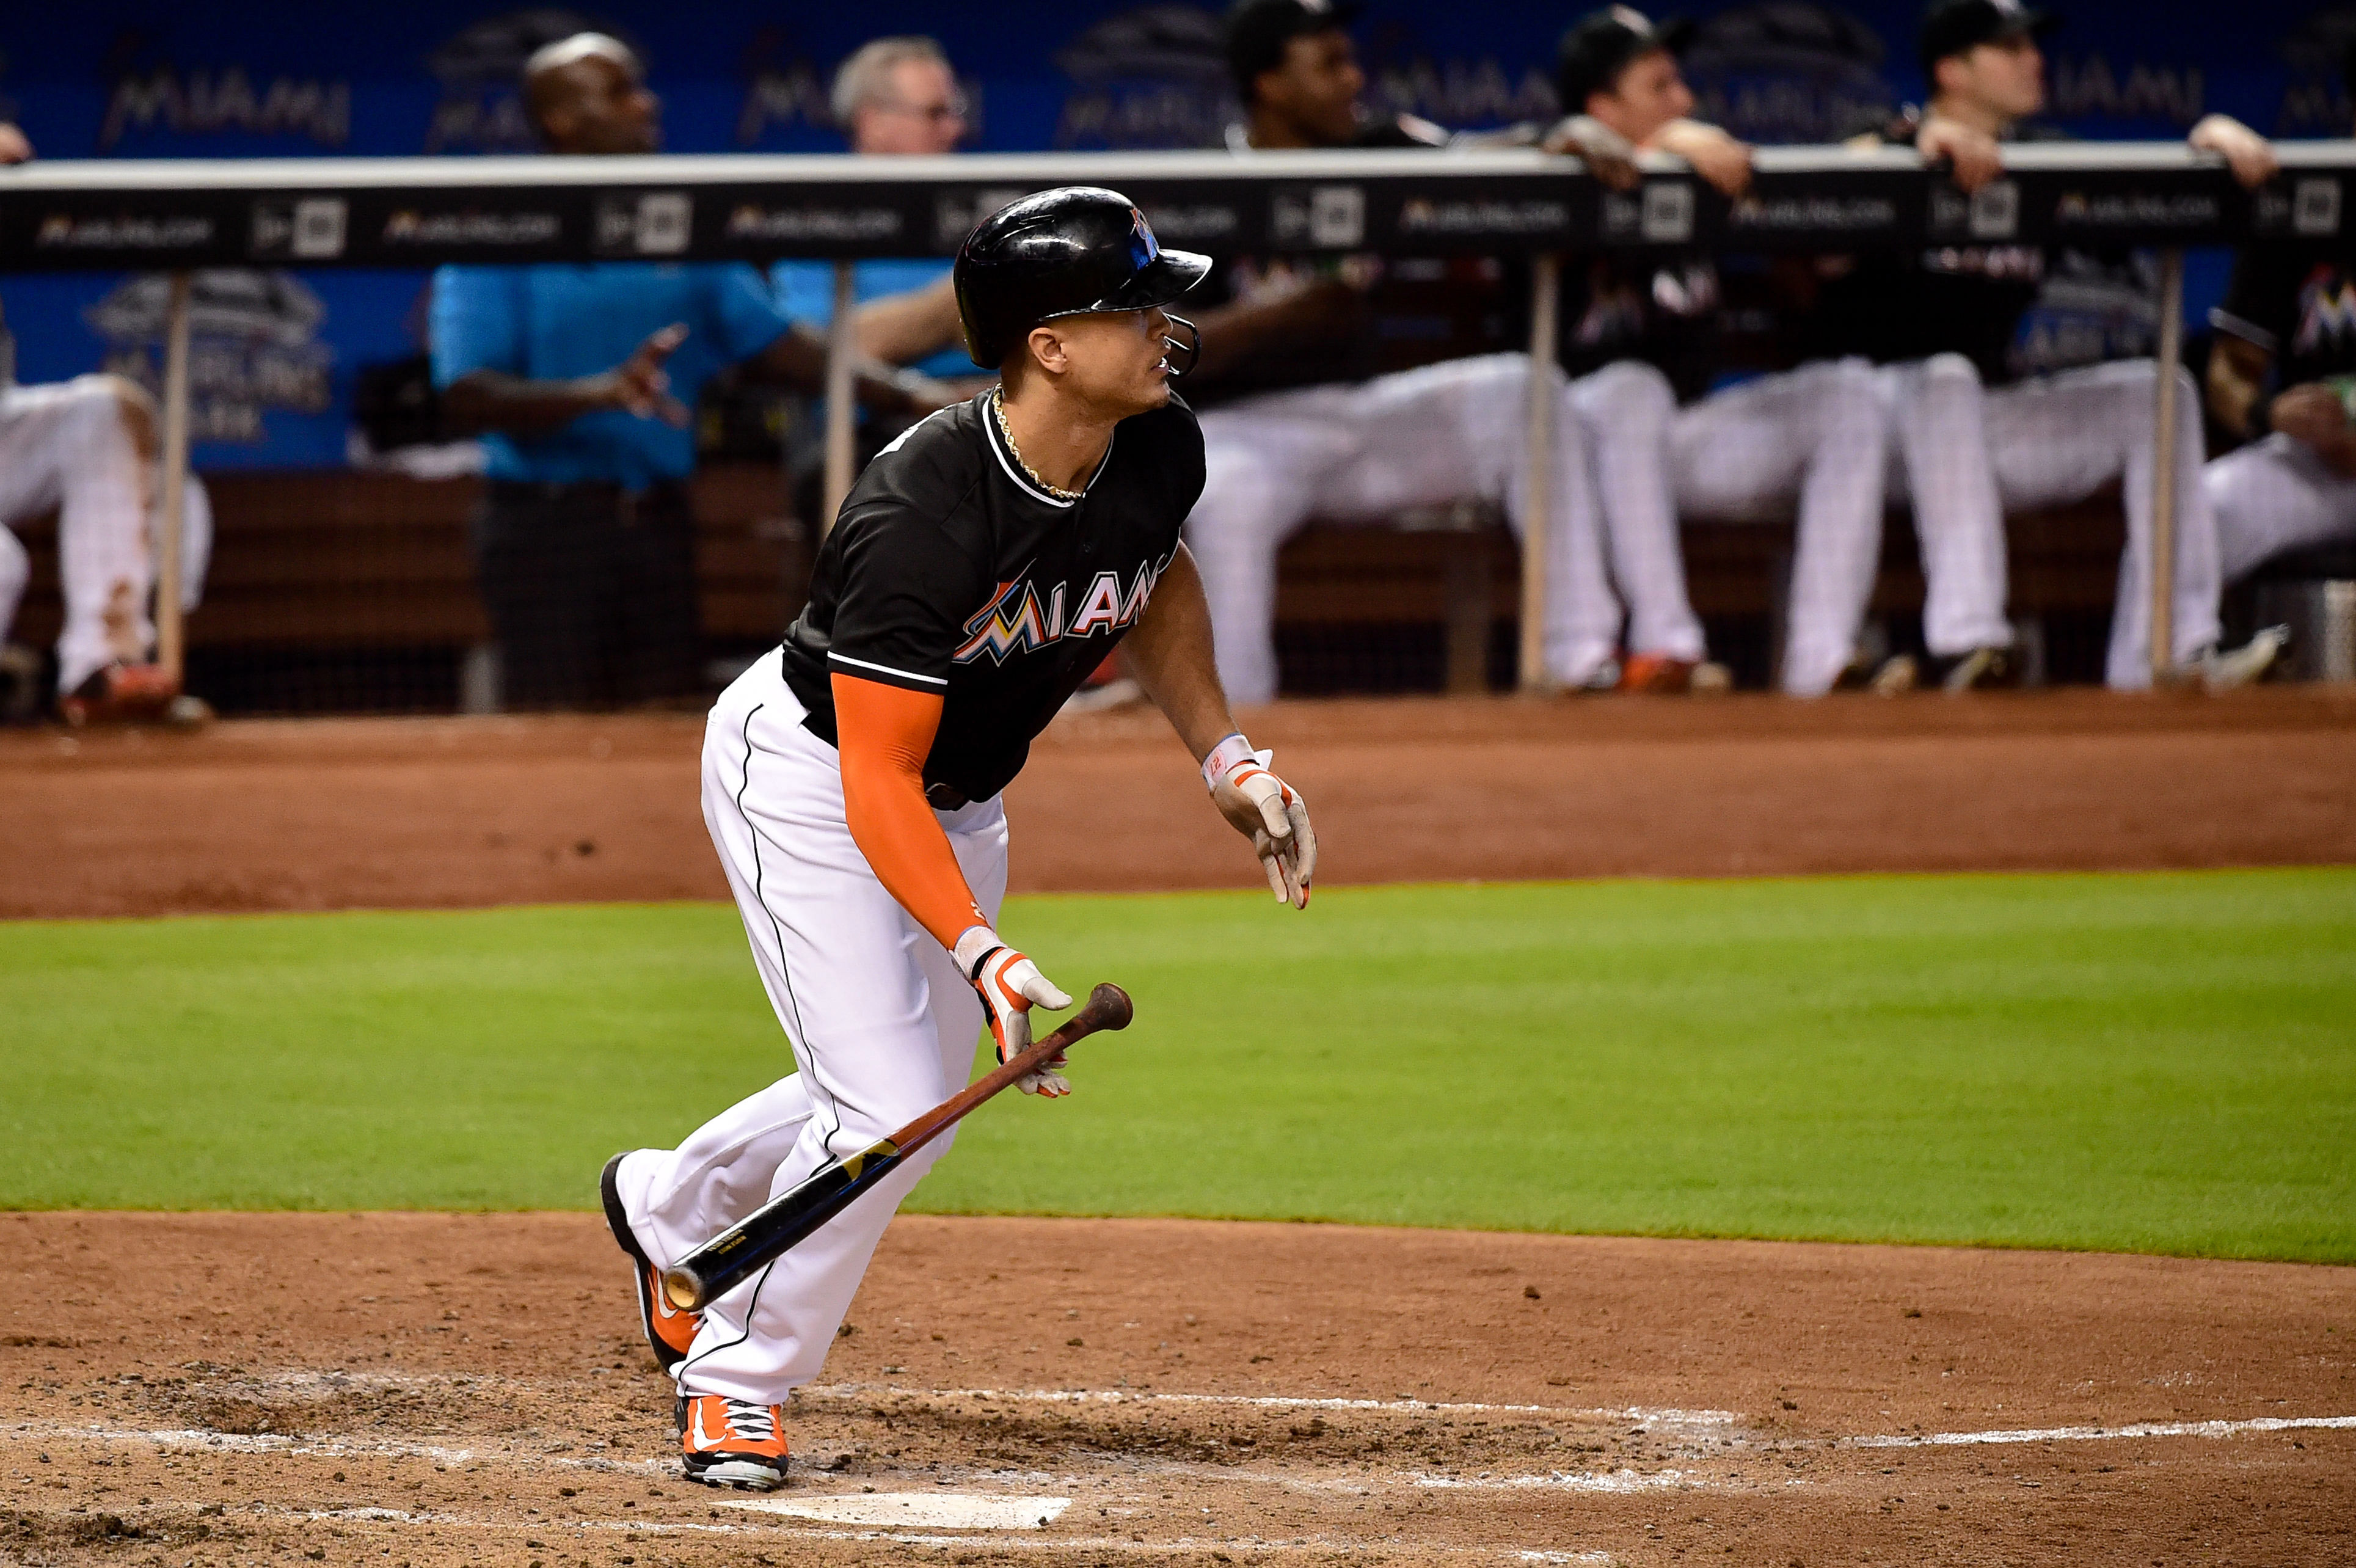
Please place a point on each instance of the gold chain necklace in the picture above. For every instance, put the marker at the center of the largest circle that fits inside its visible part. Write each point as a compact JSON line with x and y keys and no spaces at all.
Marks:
{"x":998,"y":407}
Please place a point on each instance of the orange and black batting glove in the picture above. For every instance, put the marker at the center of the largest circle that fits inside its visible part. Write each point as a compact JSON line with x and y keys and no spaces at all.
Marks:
{"x":1009,"y":985}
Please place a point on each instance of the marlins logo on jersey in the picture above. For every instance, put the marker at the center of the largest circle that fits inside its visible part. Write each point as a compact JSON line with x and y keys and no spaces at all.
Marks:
{"x":2327,"y":312}
{"x":1016,"y":622}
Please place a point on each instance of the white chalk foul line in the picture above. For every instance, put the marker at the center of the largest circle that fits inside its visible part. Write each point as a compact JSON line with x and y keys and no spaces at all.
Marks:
{"x":329,"y":1447}
{"x":854,"y":1391}
{"x":917,"y":1510}
{"x":1561,"y":1480}
{"x":2099,"y":1434}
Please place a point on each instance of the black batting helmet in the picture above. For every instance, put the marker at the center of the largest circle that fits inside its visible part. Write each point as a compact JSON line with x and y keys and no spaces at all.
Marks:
{"x":1070,"y":251}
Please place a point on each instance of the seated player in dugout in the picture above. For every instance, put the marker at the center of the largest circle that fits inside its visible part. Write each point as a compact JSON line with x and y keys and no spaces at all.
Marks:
{"x":982,"y":566}
{"x":2023,"y":376}
{"x":1672,"y":434}
{"x":581,"y":380}
{"x":2282,"y":377}
{"x":1351,"y":388}
{"x":87,"y":448}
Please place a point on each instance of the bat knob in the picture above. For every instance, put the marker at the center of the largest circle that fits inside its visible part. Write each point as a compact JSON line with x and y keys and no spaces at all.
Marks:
{"x":683,"y":1289}
{"x":1111,"y":1004}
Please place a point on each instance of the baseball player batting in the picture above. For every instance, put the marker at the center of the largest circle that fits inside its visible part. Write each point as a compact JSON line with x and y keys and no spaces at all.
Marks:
{"x":984,"y":564}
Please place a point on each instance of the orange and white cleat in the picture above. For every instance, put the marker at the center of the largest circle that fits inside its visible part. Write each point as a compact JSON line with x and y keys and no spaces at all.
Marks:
{"x":122,"y":693}
{"x":670,"y":1332}
{"x":733,"y":1443}
{"x":1662,"y":674}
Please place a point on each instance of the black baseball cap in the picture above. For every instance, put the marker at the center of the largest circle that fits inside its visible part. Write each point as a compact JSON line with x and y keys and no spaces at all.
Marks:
{"x":1602,"y":44}
{"x":1957,"y":26}
{"x":1258,"y":31}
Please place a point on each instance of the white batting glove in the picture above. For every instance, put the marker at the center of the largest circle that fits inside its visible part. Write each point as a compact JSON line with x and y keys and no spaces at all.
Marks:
{"x":1009,"y":985}
{"x":1268,"y":811}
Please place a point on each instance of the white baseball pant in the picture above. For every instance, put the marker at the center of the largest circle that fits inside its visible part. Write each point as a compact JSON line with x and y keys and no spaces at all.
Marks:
{"x":2273,"y":496}
{"x":1809,"y":441}
{"x":65,"y":446}
{"x":1361,"y":453}
{"x":1969,"y":454}
{"x":881,"y":1025}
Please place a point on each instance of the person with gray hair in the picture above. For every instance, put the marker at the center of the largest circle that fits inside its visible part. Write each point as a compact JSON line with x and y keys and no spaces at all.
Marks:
{"x":897,"y":96}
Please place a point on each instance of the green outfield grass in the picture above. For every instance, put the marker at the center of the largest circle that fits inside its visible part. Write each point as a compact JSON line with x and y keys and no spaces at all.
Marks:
{"x":2160,"y":1063}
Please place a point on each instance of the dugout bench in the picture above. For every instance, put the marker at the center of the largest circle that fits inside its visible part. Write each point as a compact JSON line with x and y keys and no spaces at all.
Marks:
{"x":354,"y":591}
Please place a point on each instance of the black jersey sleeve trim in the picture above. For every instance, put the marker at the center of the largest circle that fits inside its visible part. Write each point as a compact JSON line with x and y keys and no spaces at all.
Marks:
{"x":889,"y":676}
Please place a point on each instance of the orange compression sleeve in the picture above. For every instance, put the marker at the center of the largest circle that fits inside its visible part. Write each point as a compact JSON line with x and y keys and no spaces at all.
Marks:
{"x":885,"y":735}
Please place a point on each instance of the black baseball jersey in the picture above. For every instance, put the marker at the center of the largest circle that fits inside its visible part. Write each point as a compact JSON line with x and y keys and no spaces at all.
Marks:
{"x":1665,"y":308}
{"x":950,"y":571}
{"x":2012,"y":310}
{"x":2299,"y":303}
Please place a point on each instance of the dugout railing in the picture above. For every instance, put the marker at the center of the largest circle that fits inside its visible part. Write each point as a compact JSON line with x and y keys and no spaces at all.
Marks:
{"x":174,"y":216}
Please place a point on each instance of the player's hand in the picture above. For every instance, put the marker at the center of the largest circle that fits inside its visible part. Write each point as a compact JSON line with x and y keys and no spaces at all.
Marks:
{"x":1609,"y":156}
{"x":2312,"y":412}
{"x":1010,"y":985}
{"x":1973,"y":157}
{"x":1271,"y":813}
{"x":2314,"y":415}
{"x":640,"y":385}
{"x":1723,"y":160}
{"x":2250,"y":156}
{"x":14,"y":147}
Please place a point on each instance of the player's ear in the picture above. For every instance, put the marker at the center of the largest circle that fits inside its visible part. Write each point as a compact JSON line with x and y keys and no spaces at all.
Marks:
{"x":1048,"y":350}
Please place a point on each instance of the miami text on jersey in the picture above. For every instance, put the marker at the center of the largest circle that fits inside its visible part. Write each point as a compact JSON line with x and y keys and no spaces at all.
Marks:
{"x":1016,"y":622}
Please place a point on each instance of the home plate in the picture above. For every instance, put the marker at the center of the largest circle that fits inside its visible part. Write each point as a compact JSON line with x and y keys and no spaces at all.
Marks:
{"x":927,"y":1511}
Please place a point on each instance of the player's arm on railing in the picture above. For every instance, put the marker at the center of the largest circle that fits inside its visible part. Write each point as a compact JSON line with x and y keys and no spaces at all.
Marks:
{"x":1719,"y":158}
{"x":2250,"y":156}
{"x":901,"y":328}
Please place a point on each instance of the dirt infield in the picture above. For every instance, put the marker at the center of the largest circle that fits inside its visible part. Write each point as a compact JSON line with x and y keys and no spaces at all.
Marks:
{"x":325,"y":814}
{"x":444,"y":1389}
{"x":415,"y":1391}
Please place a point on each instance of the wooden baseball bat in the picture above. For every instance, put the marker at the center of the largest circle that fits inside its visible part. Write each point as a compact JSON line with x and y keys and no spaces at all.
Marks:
{"x":736,"y":1253}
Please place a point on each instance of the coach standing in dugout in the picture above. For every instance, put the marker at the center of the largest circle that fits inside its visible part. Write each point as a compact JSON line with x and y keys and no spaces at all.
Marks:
{"x":581,"y":380}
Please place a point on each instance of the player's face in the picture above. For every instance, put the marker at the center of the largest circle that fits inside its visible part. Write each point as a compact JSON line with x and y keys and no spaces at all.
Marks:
{"x":2006,"y":77}
{"x":920,"y":112}
{"x":1315,"y":87}
{"x":1650,"y":93}
{"x":601,"y":105}
{"x":1115,"y":359}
